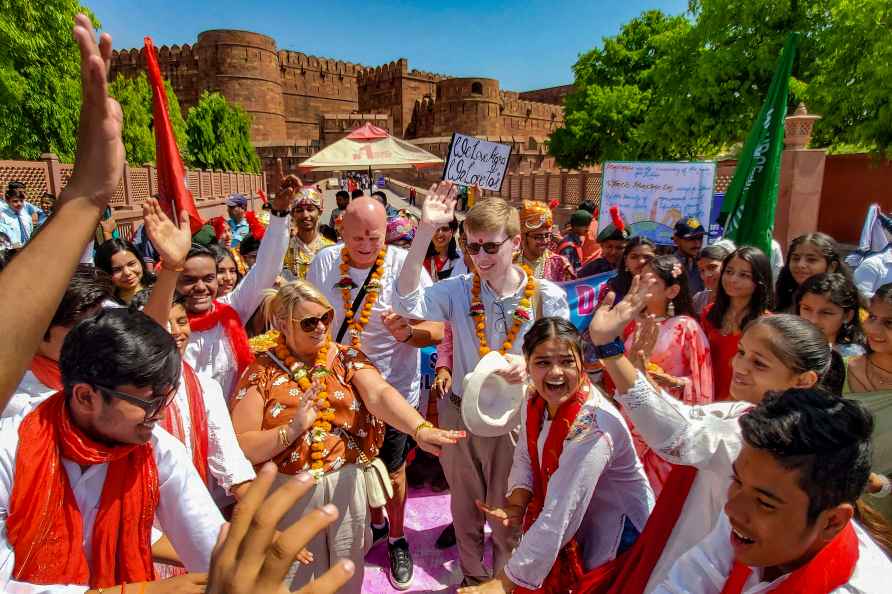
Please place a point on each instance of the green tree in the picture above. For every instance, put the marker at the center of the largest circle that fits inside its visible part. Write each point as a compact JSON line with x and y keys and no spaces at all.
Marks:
{"x":219,"y":135}
{"x":613,"y":93}
{"x":40,"y":93}
{"x":135,"y":98}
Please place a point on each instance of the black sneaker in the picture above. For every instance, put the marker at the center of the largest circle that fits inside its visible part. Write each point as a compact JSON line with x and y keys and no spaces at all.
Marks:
{"x":379,"y":534}
{"x":446,"y":540}
{"x":401,"y":569}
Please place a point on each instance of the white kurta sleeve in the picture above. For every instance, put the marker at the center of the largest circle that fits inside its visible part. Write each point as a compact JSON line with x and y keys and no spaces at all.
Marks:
{"x":680,"y":433}
{"x":704,"y":568}
{"x":554,"y":301}
{"x":869,"y":276}
{"x":226,"y":460}
{"x":521,"y":475}
{"x":569,"y":493}
{"x":186,"y":512}
{"x":248,"y":294}
{"x":432,"y":302}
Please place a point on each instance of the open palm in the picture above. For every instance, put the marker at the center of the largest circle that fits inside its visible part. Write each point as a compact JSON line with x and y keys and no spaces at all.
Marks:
{"x":439,"y":205}
{"x":610,"y":320}
{"x":172,"y":242}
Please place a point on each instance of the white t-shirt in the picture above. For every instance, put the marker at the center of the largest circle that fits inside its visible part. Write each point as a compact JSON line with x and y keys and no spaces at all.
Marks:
{"x":399,"y":363}
{"x":874,"y":272}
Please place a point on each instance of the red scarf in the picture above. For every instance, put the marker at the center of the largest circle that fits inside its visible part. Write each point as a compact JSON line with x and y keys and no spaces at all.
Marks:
{"x":47,"y":372}
{"x":45,"y":527}
{"x":173,"y":422}
{"x":830,"y":569}
{"x":220,"y":313}
{"x":629,"y":572}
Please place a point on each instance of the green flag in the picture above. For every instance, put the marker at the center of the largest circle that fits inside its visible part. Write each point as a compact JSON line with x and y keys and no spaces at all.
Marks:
{"x":751,"y":197}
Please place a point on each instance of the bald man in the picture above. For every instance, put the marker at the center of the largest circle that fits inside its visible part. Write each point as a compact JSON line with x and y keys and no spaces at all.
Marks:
{"x":390,"y":341}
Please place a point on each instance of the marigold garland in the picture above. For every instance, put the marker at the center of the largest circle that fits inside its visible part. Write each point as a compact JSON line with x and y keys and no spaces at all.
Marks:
{"x":305,"y":380}
{"x":523,"y":313}
{"x":356,"y":324}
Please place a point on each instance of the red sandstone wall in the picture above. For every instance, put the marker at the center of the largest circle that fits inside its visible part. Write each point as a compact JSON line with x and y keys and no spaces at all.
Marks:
{"x":851,"y":184}
{"x":552,"y":95}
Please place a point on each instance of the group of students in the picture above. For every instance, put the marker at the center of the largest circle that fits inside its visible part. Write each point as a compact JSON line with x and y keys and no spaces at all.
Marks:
{"x":655,"y":452}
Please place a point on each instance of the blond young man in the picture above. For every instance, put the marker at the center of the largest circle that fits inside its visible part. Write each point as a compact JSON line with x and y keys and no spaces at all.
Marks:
{"x":477,"y":469}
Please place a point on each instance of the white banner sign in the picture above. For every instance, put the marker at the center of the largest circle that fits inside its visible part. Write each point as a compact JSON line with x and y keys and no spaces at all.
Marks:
{"x":476,"y":161}
{"x":653,"y":196}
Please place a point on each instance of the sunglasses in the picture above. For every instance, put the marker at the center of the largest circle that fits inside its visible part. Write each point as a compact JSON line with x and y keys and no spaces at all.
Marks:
{"x":490,"y":247}
{"x":151,"y":407}
{"x":310,"y":323}
{"x":540,"y":237}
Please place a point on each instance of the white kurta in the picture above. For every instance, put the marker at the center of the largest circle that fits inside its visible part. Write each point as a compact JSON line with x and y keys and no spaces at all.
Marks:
{"x":598,"y":486}
{"x":209,"y":352}
{"x":706,"y":437}
{"x":185,"y":510}
{"x":29,"y":393}
{"x":398,"y":362}
{"x":226,"y":460}
{"x":705,"y":568}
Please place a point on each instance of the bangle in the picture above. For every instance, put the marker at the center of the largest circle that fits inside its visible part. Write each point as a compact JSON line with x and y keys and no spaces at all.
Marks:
{"x":279,"y":213}
{"x":408,"y":338}
{"x":423,"y":425}
{"x":283,"y":437}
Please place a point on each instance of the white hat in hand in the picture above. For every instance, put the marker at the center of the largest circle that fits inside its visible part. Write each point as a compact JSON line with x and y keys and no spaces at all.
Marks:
{"x":490,"y":406}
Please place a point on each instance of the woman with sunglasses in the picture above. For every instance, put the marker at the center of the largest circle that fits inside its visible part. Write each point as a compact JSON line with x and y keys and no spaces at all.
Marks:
{"x":317,"y":409}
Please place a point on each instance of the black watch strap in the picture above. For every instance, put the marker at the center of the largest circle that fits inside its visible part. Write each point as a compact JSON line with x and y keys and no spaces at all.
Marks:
{"x":278,"y":213}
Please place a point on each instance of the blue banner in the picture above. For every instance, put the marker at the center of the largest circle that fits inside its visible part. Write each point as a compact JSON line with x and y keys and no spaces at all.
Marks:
{"x":582,"y":295}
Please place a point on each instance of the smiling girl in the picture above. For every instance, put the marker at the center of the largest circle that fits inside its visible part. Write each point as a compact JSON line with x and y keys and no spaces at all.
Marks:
{"x":121,"y":259}
{"x":815,"y":253}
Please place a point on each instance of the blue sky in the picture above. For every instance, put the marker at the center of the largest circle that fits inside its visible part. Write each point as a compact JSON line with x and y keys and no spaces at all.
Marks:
{"x":526,"y":45}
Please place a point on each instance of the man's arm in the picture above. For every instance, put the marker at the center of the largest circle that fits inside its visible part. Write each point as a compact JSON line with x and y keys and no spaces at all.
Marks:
{"x":56,"y":251}
{"x":438,"y":209}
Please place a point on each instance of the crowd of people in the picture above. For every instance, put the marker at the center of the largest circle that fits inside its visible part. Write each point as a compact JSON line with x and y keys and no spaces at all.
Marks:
{"x":706,"y":432}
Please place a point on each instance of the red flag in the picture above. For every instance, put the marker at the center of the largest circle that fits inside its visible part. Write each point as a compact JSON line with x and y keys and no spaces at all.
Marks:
{"x":175,"y":197}
{"x":262,"y":195}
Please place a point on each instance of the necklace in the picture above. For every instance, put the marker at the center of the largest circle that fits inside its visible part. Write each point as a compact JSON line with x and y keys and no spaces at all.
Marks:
{"x":537,"y":265}
{"x":356,"y":324}
{"x":305,"y":380}
{"x":873,"y":383}
{"x":523,"y":313}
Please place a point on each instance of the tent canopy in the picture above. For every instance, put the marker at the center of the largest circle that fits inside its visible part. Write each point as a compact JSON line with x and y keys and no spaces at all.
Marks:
{"x":370,"y":147}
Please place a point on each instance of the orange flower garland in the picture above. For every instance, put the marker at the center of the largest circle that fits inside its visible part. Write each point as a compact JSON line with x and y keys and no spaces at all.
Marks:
{"x":325,"y":414}
{"x":356,"y":324}
{"x":522,"y":314}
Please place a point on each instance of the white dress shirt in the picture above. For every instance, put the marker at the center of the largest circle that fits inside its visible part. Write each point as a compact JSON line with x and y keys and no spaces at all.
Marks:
{"x":705,"y":568}
{"x":185,"y":510}
{"x":706,"y":437}
{"x":398,"y":362}
{"x":209,"y":352}
{"x":449,"y":300}
{"x":12,"y":222}
{"x":599,"y":485}
{"x":874,"y":272}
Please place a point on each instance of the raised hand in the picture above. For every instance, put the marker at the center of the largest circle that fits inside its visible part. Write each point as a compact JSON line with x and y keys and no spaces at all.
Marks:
{"x":289,"y":186}
{"x":99,"y":161}
{"x":251,"y":556}
{"x":432,"y":439}
{"x":646,"y":335}
{"x":438,"y":208}
{"x":397,"y":325}
{"x":172,"y":242}
{"x":511,"y":515}
{"x":609,"y":320}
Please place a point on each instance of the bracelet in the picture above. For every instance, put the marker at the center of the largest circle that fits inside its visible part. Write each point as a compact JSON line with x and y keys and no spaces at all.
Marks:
{"x":423,"y":425}
{"x":283,"y":437}
{"x":611,"y":350}
{"x":279,"y":213}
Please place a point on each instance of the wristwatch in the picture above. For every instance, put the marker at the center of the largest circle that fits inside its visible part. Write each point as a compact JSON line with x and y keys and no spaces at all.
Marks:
{"x":611,"y":349}
{"x":278,"y":213}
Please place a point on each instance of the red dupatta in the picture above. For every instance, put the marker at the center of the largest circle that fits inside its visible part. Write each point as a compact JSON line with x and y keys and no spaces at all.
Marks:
{"x":173,"y":422}
{"x":47,"y":372}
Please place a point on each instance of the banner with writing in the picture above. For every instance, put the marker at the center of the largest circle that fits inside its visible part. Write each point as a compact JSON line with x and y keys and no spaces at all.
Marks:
{"x":476,"y":161}
{"x":653,"y":196}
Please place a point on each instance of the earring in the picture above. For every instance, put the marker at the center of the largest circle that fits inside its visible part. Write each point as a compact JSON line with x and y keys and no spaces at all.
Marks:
{"x":670,"y":309}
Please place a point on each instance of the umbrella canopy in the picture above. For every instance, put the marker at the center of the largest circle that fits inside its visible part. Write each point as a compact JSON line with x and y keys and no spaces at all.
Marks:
{"x":370,"y":147}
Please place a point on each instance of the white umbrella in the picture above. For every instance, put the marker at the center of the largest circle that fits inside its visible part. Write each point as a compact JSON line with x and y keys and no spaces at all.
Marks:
{"x":370,"y":147}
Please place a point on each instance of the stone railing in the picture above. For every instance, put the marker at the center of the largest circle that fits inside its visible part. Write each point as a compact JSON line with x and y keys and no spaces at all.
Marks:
{"x":209,"y":188}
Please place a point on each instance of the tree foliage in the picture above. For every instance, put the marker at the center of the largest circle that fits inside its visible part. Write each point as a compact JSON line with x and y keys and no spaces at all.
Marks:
{"x":691,"y":87}
{"x":219,"y":135}
{"x":135,"y":97}
{"x":40,"y":91}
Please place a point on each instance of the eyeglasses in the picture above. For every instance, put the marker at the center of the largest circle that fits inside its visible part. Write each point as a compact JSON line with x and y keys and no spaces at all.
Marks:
{"x":540,"y":237}
{"x":490,"y":247}
{"x":151,"y":407}
{"x":310,"y":323}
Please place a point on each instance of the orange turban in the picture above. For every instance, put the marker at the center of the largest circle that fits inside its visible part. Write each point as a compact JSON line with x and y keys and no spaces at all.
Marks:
{"x":534,"y":215}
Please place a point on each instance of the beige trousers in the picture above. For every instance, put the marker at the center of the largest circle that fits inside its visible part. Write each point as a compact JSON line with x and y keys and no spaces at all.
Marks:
{"x":477,"y":468}
{"x":349,"y":537}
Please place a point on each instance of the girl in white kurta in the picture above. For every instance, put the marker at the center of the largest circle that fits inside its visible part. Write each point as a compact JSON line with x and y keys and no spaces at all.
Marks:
{"x":776,"y":353}
{"x":576,"y":481}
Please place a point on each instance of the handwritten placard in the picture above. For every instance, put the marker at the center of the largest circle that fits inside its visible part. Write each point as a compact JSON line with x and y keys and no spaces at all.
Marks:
{"x":653,"y":196}
{"x":476,"y":161}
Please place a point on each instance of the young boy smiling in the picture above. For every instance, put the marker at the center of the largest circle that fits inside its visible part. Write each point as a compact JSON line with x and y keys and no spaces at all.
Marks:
{"x":788,"y":525}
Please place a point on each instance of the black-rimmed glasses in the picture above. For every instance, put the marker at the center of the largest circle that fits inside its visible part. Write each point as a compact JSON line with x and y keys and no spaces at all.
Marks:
{"x":150,"y":407}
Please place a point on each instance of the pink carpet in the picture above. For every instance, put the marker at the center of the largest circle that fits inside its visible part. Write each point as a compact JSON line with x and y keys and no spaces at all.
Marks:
{"x":427,"y":513}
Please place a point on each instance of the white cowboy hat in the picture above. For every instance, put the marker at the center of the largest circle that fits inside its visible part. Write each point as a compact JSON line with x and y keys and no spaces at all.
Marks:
{"x":490,"y":406}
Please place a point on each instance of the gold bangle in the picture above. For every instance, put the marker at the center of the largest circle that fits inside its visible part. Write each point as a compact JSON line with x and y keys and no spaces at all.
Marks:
{"x":283,"y":437}
{"x":423,"y":425}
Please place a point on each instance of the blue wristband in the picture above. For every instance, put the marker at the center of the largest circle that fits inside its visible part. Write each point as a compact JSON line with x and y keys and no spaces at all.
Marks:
{"x":611,"y":349}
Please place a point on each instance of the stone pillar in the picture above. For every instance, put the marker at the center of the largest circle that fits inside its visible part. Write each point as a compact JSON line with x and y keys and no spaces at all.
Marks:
{"x":802,"y":177}
{"x":54,"y":174}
